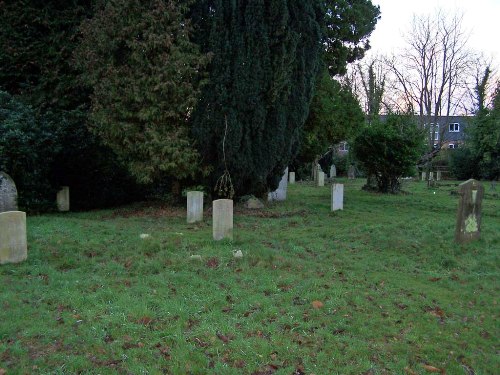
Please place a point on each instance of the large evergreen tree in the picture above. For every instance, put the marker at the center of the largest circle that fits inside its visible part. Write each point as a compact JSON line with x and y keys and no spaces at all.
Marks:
{"x":266,"y":56}
{"x":144,"y":72}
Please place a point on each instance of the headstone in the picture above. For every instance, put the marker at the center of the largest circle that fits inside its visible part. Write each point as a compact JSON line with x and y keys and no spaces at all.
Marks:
{"x":321,"y":178}
{"x":351,"y":173}
{"x":424,"y":176}
{"x":194,"y":206}
{"x":333,"y":171}
{"x":431,"y":176}
{"x":8,"y":193}
{"x":280,"y":193}
{"x":438,"y":176}
{"x":337,"y":197}
{"x":253,"y":203}
{"x":291,"y":178}
{"x":222,"y":219}
{"x":468,"y":227}
{"x":13,"y":242}
{"x":63,"y":199}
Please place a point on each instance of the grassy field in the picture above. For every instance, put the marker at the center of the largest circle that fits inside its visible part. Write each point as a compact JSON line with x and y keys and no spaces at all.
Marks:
{"x":379,"y":288}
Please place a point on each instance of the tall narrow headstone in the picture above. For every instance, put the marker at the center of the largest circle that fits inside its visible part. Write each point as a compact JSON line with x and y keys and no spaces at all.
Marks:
{"x":468,"y":226}
{"x":291,"y":178}
{"x":222,"y":219}
{"x":194,"y":206}
{"x":431,"y":176}
{"x":333,"y":171}
{"x":424,"y":176}
{"x":13,"y":242}
{"x":438,"y":176}
{"x":321,"y":178}
{"x":8,"y":193}
{"x":337,"y":197}
{"x":280,"y":193}
{"x":351,"y":173}
{"x":63,"y":199}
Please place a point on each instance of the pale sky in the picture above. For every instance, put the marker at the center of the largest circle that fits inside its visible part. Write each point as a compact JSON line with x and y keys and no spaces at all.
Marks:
{"x":480,"y":17}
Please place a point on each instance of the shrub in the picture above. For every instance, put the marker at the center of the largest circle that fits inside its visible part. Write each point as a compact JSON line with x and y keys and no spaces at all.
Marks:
{"x":463,"y":163}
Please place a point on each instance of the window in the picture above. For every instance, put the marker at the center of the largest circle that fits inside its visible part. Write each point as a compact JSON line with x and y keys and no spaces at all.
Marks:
{"x":435,"y":130}
{"x":451,"y":145}
{"x":454,"y":127}
{"x":344,"y":146}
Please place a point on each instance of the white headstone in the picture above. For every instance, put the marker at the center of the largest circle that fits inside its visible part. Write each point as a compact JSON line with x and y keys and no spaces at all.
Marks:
{"x":424,"y":176}
{"x":333,"y":171}
{"x":194,"y":206}
{"x":280,"y":193}
{"x":222,"y":219}
{"x":321,"y":178}
{"x":431,"y":176}
{"x":337,"y":197}
{"x":8,"y":193}
{"x":13,"y":242}
{"x":438,"y":176}
{"x":63,"y":199}
{"x":291,"y":178}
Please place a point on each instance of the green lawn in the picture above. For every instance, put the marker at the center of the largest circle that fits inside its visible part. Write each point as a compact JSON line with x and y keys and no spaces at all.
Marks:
{"x":379,"y":288}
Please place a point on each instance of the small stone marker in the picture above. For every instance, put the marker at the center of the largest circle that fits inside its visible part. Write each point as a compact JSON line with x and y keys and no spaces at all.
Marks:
{"x":431,"y":176}
{"x":8,"y":193}
{"x":13,"y":242}
{"x":424,"y":176}
{"x":222,"y":219}
{"x":63,"y":199}
{"x":468,"y":227}
{"x":438,"y":176}
{"x":333,"y":171}
{"x":280,"y":193}
{"x":194,"y":206}
{"x":254,"y":204}
{"x":337,"y":197}
{"x":291,"y":178}
{"x":321,"y":178}
{"x":351,"y":173}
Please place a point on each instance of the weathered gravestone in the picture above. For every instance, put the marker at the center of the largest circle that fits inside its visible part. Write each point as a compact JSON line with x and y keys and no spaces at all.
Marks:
{"x":254,"y":204}
{"x":333,"y":171}
{"x":468,"y":227}
{"x":438,"y":176}
{"x":280,"y":193}
{"x":194,"y":206}
{"x":63,"y":199}
{"x":337,"y":197}
{"x":351,"y":173}
{"x":8,"y":193}
{"x":424,"y":176}
{"x":13,"y":242}
{"x":321,"y":178}
{"x":222,"y":219}
{"x":291,"y":178}
{"x":431,"y":176}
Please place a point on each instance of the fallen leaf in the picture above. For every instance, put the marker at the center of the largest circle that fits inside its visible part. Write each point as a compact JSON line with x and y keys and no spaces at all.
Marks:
{"x":433,"y":369}
{"x":239,"y":364}
{"x":200,"y":343}
{"x":434,"y":279}
{"x":2,"y":371}
{"x":317,"y":304}
{"x":410,"y":371}
{"x":212,"y":263}
{"x":145,"y":320}
{"x":223,"y":338}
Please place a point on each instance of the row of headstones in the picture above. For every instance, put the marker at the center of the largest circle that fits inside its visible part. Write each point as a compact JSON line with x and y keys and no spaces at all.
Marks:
{"x":431,"y":176}
{"x":13,"y":239}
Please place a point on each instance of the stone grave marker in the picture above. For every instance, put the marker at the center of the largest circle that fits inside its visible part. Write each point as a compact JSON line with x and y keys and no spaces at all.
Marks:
{"x":424,"y":176}
{"x":63,"y":199}
{"x":337,"y":197}
{"x":13,"y":242}
{"x":468,"y":226}
{"x":222,"y":211}
{"x":291,"y":178}
{"x":438,"y":176}
{"x":8,"y":193}
{"x":194,"y":206}
{"x":280,"y":193}
{"x":351,"y":173}
{"x":321,"y":178}
{"x":431,"y":176}
{"x":333,"y":171}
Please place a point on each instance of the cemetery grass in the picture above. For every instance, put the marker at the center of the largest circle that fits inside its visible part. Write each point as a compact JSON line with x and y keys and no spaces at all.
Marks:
{"x":379,"y":288}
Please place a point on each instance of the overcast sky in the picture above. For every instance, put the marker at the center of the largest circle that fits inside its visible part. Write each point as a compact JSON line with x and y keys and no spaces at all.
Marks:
{"x":481,"y":19}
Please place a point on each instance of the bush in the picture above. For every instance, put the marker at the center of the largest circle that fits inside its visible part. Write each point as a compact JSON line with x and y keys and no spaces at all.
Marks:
{"x":463,"y":164}
{"x":389,"y":150}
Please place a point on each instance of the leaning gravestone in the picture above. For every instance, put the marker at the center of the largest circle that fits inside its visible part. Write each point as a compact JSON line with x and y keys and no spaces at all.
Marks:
{"x":13,"y":242}
{"x":8,"y":193}
{"x":337,"y":197}
{"x":222,"y":219}
{"x":291,"y":178}
{"x":333,"y":171}
{"x":469,"y":211}
{"x":63,"y":199}
{"x":321,"y":178}
{"x":194,"y":206}
{"x":280,"y":193}
{"x":351,"y":173}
